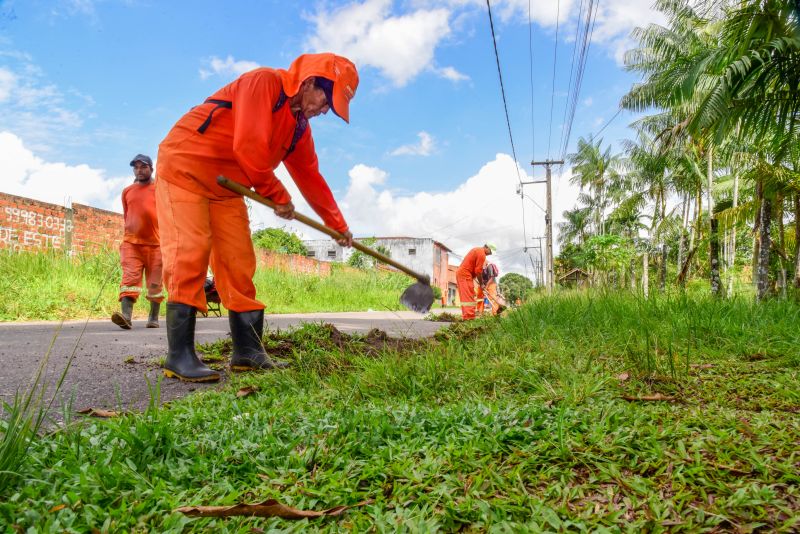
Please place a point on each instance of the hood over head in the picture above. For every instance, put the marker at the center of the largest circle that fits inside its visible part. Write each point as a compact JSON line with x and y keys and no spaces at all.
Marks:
{"x":340,"y":70}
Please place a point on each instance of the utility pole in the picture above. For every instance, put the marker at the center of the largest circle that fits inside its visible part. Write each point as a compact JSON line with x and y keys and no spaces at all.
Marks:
{"x":548,"y":217}
{"x":538,"y":272}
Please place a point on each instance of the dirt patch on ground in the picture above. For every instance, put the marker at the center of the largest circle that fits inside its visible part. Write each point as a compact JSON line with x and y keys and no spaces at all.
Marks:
{"x":315,"y":337}
{"x":443,"y":317}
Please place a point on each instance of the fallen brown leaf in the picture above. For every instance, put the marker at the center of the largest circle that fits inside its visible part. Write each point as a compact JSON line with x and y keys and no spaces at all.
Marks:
{"x":268,"y":508}
{"x":99,"y":412}
{"x":653,"y":397}
{"x":247,"y":390}
{"x":57,"y":507}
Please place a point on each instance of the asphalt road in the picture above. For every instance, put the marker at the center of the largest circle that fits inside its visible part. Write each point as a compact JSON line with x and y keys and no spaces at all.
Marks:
{"x":111,"y":364}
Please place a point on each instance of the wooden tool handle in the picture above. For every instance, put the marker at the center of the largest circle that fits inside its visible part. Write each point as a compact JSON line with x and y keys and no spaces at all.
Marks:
{"x":249,"y":193}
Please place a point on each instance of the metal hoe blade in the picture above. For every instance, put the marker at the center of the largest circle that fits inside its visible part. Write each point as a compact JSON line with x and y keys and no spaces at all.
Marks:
{"x":418,"y":297}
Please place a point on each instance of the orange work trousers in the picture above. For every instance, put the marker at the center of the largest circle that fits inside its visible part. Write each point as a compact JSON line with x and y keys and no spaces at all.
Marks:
{"x":137,"y":260}
{"x":466,"y":294}
{"x":196,"y":230}
{"x":494,"y":298}
{"x":480,"y":305}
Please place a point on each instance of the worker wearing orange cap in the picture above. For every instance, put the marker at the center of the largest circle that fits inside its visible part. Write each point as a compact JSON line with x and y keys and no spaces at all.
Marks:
{"x":139,"y":252}
{"x":243,"y":131}
{"x":469,"y":271}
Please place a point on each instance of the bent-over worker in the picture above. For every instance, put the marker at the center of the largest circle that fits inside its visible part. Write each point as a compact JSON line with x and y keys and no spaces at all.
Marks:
{"x":139,"y":251}
{"x":243,"y":131}
{"x":469,"y":271}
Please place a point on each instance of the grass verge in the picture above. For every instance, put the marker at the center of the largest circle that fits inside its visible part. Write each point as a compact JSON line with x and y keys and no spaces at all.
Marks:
{"x":52,"y":286}
{"x":505,"y":424}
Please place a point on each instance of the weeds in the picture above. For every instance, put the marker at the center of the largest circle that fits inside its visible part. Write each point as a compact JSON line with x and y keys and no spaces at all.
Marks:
{"x":49,"y":285}
{"x":508,"y":425}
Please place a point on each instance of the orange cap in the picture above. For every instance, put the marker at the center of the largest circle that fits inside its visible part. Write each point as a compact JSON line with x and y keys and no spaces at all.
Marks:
{"x":340,"y":70}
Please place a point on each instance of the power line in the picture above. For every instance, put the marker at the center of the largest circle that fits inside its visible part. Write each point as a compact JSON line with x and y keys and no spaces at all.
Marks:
{"x":572,"y":66}
{"x":530,"y":56}
{"x":502,"y":88}
{"x":586,"y":41}
{"x":607,"y":123}
{"x":553,"y":89}
{"x":505,"y":103}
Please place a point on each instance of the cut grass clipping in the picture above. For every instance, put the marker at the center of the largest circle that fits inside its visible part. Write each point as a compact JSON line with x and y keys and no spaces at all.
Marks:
{"x":511,"y":424}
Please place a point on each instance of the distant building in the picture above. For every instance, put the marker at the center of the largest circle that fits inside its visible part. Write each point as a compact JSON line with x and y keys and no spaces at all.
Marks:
{"x":575,"y":278}
{"x":421,"y":254}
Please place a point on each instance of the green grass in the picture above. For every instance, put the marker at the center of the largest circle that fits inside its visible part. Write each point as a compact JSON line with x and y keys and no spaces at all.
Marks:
{"x":51,"y":286}
{"x":504,"y":425}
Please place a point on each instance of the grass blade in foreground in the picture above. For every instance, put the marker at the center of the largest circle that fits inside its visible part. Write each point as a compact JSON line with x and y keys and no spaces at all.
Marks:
{"x":511,"y":424}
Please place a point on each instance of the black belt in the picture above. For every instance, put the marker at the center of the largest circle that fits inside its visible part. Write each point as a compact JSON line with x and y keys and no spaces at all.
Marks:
{"x":302,"y":122}
{"x":227,"y":104}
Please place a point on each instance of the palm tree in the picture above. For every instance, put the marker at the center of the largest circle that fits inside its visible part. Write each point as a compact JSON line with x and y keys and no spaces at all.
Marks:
{"x":594,"y":169}
{"x":575,"y":227}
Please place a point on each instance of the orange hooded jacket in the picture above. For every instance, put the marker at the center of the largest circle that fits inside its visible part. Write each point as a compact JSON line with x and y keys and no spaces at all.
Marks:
{"x":472,"y":265}
{"x":247,"y":139}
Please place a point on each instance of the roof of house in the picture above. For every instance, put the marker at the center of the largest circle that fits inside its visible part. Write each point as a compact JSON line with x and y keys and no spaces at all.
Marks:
{"x":578,"y":270}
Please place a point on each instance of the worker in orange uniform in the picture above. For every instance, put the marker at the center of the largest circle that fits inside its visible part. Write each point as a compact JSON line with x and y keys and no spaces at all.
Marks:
{"x":480,"y":299}
{"x":243,"y":131}
{"x":139,"y":252}
{"x":469,"y":271}
{"x":489,"y":277}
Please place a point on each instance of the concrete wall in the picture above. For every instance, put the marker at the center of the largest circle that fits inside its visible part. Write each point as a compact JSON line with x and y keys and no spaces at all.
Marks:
{"x":292,"y":263}
{"x":423,"y":255}
{"x":27,"y":224}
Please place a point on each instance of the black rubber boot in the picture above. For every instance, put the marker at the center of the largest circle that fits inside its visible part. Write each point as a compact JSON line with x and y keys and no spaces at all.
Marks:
{"x":247,"y":329}
{"x":182,"y":361}
{"x":123,"y":318}
{"x":152,"y":320}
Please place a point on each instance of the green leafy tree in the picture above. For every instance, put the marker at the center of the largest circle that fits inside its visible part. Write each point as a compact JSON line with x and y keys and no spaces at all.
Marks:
{"x":278,"y":240}
{"x":359,"y":260}
{"x":515,"y":286}
{"x":607,"y":254}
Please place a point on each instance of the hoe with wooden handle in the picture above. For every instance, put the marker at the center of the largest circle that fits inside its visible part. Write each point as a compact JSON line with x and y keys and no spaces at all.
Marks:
{"x":417,"y":297}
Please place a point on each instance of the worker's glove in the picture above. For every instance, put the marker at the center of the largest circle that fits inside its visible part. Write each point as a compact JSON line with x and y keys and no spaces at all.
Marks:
{"x":347,"y":239}
{"x":285,"y":211}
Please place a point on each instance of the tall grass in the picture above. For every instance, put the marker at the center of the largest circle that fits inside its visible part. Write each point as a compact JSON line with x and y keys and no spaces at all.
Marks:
{"x":23,"y":418}
{"x":343,"y":290}
{"x":658,"y":333}
{"x":50,"y":286}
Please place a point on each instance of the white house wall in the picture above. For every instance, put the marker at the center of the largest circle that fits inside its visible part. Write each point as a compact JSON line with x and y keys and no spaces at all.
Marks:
{"x":421,"y":261}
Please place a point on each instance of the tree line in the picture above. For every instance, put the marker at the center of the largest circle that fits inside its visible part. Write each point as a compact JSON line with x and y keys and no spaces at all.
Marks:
{"x":710,"y":186}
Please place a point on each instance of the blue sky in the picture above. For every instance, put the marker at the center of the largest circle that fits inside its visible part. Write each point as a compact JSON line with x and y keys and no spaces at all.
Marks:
{"x":86,"y":84}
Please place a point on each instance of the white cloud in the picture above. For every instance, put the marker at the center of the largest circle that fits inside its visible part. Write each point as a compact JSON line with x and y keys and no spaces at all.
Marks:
{"x":451,"y":74}
{"x":587,"y":102}
{"x":27,"y":175}
{"x":482,"y":208}
{"x":8,"y":80}
{"x":425,"y":147}
{"x":400,"y":47}
{"x":38,"y":110}
{"x":614,"y":22}
{"x":227,"y":68}
{"x":543,"y":12}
